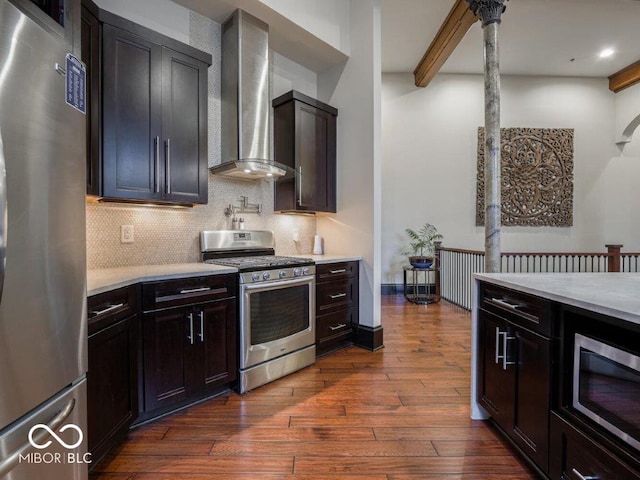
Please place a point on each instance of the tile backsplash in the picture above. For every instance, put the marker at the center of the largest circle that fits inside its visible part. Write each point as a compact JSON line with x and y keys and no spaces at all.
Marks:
{"x":171,"y":235}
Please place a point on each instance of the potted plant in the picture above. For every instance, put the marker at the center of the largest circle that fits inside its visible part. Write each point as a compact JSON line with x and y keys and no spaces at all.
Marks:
{"x":422,"y":245}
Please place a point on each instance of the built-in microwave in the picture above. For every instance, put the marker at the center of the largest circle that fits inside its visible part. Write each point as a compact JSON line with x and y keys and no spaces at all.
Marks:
{"x":606,"y":386}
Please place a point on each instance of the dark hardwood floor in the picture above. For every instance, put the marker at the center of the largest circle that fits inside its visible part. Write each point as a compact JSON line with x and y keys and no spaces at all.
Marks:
{"x":397,"y":414}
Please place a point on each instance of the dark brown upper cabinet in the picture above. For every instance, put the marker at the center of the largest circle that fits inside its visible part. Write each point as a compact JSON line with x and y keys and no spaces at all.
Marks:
{"x":305,"y":141}
{"x":147,"y":130}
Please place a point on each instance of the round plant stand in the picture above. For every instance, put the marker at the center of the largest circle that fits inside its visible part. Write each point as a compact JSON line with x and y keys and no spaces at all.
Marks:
{"x":421,"y":285}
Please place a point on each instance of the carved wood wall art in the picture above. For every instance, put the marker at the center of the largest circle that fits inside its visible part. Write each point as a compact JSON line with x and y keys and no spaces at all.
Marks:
{"x":536,"y":177}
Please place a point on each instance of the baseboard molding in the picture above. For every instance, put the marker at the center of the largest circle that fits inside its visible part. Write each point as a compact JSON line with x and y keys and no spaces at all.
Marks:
{"x":398,"y":289}
{"x":391,"y":289}
{"x":367,"y":337}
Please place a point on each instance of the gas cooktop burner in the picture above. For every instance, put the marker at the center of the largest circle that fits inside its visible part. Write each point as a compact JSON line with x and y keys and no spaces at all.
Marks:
{"x":260,"y":262}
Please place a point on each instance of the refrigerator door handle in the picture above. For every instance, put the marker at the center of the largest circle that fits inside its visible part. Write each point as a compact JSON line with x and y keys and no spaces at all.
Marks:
{"x":3,"y":215}
{"x":10,"y":462}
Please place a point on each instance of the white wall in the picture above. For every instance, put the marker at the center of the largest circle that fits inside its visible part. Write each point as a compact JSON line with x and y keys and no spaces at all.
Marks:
{"x":627,"y":113}
{"x":288,"y":75}
{"x":326,"y":19}
{"x":429,"y":142}
{"x":355,"y":90}
{"x":163,"y":16}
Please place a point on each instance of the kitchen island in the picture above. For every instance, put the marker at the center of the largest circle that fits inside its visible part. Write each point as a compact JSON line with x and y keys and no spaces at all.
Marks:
{"x":613,"y":294}
{"x":542,"y":367}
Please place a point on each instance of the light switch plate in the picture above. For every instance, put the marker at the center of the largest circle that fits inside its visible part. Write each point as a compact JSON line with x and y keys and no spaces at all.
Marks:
{"x":126,"y":233}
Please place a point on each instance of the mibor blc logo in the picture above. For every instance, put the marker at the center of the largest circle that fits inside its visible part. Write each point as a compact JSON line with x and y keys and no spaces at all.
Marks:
{"x":54,"y":457}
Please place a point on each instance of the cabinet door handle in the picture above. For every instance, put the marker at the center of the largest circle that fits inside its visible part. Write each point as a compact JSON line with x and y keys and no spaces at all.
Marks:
{"x":505,"y":345}
{"x":156,"y":152}
{"x":201,"y":334}
{"x":195,"y":290}
{"x":505,"y":339}
{"x":168,"y":159}
{"x":108,"y":309}
{"x":583,"y":477}
{"x":337,"y":327}
{"x":337,"y":295}
{"x":300,"y":186}
{"x":342,"y":270}
{"x":190,"y":337}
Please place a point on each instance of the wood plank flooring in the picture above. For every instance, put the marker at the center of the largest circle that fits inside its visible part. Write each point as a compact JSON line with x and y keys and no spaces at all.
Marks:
{"x":398,"y":414}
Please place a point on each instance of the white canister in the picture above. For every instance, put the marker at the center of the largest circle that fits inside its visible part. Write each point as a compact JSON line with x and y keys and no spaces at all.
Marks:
{"x":317,"y":245}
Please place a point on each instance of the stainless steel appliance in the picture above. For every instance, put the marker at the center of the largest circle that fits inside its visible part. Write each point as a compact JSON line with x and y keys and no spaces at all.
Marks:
{"x":246,"y":107}
{"x":43,"y":337}
{"x":606,"y":387}
{"x":276,"y":304}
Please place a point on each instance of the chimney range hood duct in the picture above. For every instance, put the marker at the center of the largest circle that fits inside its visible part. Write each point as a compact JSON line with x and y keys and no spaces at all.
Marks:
{"x":246,"y":108}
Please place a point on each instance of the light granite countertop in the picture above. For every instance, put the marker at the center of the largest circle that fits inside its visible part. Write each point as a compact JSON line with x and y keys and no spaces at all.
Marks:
{"x":613,"y":294}
{"x":319,"y":259}
{"x":105,"y":279}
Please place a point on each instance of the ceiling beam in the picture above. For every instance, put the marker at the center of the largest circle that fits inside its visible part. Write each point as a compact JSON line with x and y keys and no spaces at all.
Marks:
{"x":625,"y":78}
{"x":452,"y":31}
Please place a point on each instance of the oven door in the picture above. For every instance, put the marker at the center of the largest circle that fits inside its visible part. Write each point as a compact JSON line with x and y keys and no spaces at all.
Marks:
{"x":276,"y":318}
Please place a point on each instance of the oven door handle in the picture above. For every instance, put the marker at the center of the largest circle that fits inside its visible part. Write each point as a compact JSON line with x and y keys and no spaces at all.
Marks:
{"x":277,"y":284}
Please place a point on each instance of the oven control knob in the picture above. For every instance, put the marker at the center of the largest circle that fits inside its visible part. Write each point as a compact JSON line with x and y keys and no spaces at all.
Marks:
{"x":296,"y":272}
{"x":255,"y":277}
{"x":266,"y":275}
{"x":282,"y":274}
{"x":305,"y":271}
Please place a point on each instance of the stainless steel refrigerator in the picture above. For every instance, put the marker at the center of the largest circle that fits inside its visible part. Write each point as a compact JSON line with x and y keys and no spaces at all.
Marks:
{"x":43,"y":338}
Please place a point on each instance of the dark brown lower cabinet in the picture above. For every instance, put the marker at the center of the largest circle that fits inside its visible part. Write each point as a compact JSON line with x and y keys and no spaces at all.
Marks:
{"x":190,"y":349}
{"x":112,"y":377}
{"x":336,"y":305}
{"x":515,"y":382}
{"x":575,"y":456}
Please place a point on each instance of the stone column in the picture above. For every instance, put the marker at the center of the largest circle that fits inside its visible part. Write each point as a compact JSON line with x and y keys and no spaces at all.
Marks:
{"x":490,"y":12}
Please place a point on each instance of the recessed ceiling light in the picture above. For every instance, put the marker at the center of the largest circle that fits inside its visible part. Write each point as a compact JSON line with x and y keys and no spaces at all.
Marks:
{"x":607,"y":52}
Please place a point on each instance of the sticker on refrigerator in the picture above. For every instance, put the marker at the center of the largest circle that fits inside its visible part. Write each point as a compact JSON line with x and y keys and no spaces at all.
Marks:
{"x":76,"y":83}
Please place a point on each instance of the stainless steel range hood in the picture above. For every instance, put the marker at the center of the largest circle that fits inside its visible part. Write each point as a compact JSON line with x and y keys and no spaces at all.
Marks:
{"x":246,"y":107}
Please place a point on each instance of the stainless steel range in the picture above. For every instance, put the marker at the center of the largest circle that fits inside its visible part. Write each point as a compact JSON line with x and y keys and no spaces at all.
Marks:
{"x":276,"y":304}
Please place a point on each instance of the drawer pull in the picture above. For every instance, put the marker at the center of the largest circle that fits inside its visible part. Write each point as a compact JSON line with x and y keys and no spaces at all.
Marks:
{"x":195,"y":290}
{"x":514,"y":307}
{"x":583,"y":477}
{"x":504,"y":303}
{"x":337,"y":327}
{"x":342,"y":270}
{"x":337,"y":295}
{"x":108,"y":309}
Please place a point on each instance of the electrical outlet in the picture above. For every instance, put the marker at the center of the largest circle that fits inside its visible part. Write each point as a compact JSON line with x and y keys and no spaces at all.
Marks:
{"x":126,"y":233}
